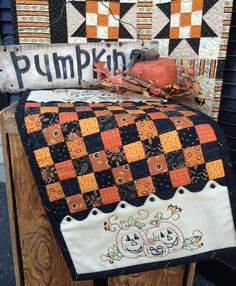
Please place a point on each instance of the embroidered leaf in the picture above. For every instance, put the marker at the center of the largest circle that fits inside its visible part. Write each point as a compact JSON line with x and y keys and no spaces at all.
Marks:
{"x":158,"y":217}
{"x":189,"y":244}
{"x":134,"y":222}
{"x":114,"y":254}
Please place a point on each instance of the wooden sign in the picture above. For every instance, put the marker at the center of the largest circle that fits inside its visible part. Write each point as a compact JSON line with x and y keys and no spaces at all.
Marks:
{"x":60,"y":65}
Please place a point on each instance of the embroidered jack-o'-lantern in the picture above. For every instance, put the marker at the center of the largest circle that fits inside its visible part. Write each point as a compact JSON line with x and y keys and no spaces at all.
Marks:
{"x":169,"y":234}
{"x":131,"y":242}
{"x":155,"y":249}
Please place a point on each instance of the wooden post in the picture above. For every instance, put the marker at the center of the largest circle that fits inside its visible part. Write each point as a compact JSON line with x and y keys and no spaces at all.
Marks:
{"x":37,"y":257}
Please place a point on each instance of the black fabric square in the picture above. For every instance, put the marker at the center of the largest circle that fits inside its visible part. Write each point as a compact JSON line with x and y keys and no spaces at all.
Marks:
{"x":175,"y":160}
{"x":152,"y":146}
{"x":70,"y":187}
{"x":188,"y":137}
{"x":127,"y":191}
{"x":82,"y":165}
{"x":92,"y":199}
{"x":116,"y":158}
{"x":118,"y":111}
{"x":151,"y":110}
{"x":93,"y":143}
{"x":37,"y":140}
{"x":49,"y":175}
{"x":67,"y":109}
{"x":164,"y":125}
{"x":86,"y":114}
{"x":197,"y":120}
{"x":71,"y":130}
{"x":131,"y":107}
{"x":104,"y":179}
{"x":211,"y":151}
{"x":173,"y":113}
{"x":129,"y":134}
{"x":162,"y":182}
{"x":141,"y":117}
{"x":139,"y":169}
{"x":106,"y":123}
{"x":198,"y":175}
{"x":31,"y":110}
{"x":59,"y":152}
{"x":49,"y":118}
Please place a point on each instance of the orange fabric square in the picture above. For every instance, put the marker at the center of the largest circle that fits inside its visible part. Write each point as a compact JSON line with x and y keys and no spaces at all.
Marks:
{"x":53,"y":134}
{"x":187,"y":112}
{"x":180,"y":177}
{"x":91,"y":32}
{"x":109,"y":195}
{"x":195,"y":32}
{"x":175,"y":7}
{"x":135,"y":111}
{"x":114,"y":8}
{"x":174,"y":33}
{"x":55,"y":192}
{"x":65,"y":170}
{"x":197,"y":5}
{"x":144,"y":186}
{"x":124,"y":119}
{"x":65,"y":117}
{"x":157,"y":165}
{"x":215,"y":169}
{"x":185,"y":19}
{"x":115,"y":107}
{"x":193,"y":156}
{"x":205,"y":133}
{"x":134,"y":151}
{"x":146,"y":129}
{"x":49,"y":109}
{"x":33,"y":123}
{"x":89,"y":126}
{"x":113,"y":32}
{"x":102,"y":112}
{"x":157,"y":115}
{"x":92,"y":7}
{"x":122,"y":174}
{"x":102,"y":20}
{"x":32,"y":104}
{"x":170,"y":141}
{"x":76,"y":203}
{"x":111,"y":139}
{"x":83,"y":108}
{"x":65,"y":104}
{"x":43,"y":157}
{"x":87,"y":183}
{"x":99,"y":161}
{"x":181,"y":122}
{"x":76,"y":148}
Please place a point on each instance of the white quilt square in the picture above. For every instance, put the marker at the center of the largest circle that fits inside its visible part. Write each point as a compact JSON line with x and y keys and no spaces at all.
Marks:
{"x":175,"y":20}
{"x":186,"y":6}
{"x":91,"y":19}
{"x":196,"y":18}
{"x":102,"y":32}
{"x":112,"y":22}
{"x":102,"y":9}
{"x":184,"y":32}
{"x":209,"y":48}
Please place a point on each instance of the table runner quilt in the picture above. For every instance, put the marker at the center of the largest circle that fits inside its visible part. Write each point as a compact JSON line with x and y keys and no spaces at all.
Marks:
{"x":128,"y":185}
{"x":195,"y":31}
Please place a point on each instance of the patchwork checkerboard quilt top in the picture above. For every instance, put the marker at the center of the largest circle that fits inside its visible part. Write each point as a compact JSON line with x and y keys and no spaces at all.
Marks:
{"x":89,"y":159}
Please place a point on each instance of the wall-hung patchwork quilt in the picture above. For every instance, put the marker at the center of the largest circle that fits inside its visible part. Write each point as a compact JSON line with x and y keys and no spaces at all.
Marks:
{"x":128,"y":186}
{"x":194,"y":30}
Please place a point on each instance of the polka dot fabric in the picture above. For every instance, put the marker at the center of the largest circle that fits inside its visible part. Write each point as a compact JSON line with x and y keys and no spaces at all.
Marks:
{"x":97,"y":154}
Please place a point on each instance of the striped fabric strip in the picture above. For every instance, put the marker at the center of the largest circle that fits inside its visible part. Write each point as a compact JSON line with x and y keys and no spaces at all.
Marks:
{"x":222,"y":54}
{"x":144,"y":19}
{"x":33,"y":21}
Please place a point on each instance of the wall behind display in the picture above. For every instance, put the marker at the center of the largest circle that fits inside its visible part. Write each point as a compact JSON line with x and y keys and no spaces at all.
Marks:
{"x":194,"y":30}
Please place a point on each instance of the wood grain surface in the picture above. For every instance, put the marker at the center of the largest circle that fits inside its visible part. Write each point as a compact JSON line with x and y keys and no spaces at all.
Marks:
{"x":42,"y":261}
